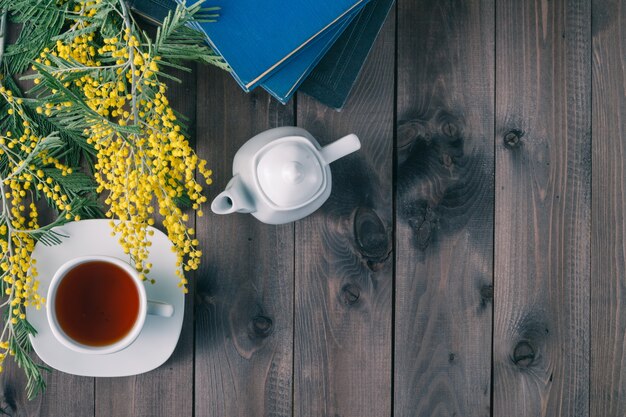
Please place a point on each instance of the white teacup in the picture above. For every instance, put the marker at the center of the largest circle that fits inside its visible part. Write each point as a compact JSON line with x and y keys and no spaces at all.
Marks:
{"x":145,"y":307}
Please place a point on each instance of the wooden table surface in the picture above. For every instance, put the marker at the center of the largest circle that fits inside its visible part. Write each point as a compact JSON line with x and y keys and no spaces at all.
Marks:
{"x":469,"y":262}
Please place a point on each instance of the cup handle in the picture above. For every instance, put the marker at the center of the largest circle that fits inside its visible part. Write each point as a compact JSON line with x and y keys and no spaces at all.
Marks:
{"x":158,"y":308}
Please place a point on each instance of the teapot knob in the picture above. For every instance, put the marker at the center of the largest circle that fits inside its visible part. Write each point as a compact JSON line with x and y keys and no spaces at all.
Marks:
{"x":293,"y":172}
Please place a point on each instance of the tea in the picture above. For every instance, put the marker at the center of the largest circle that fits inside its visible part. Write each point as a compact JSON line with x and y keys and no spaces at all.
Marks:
{"x":97,"y":303}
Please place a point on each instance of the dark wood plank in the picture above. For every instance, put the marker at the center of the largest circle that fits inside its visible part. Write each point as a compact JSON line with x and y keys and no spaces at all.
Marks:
{"x":608,"y":247}
{"x":167,"y":390}
{"x":444,"y":242}
{"x":344,"y":282}
{"x":66,"y":395}
{"x":543,"y":216}
{"x":244,"y":293}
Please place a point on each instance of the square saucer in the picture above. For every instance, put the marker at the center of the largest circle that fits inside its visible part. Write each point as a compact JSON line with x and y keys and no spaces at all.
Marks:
{"x":159,"y":336}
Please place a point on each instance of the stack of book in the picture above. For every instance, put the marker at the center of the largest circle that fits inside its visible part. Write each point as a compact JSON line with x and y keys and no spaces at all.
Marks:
{"x":281,"y":46}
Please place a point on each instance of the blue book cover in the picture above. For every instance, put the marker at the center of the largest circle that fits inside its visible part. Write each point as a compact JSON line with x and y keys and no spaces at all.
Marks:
{"x":256,"y":37}
{"x":334,"y":76}
{"x":284,"y":82}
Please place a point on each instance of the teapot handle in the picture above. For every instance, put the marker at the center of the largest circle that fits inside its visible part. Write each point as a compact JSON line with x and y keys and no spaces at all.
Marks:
{"x":340,"y":148}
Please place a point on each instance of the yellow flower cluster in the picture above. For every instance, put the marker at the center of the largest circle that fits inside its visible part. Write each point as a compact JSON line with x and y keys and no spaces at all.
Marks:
{"x":25,"y":156}
{"x":149,"y":163}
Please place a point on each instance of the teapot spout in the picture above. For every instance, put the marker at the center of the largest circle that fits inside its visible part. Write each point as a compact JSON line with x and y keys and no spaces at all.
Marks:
{"x":340,"y":148}
{"x":233,"y":199}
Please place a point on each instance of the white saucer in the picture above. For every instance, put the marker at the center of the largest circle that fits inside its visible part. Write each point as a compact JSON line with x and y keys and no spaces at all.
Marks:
{"x":159,"y":336}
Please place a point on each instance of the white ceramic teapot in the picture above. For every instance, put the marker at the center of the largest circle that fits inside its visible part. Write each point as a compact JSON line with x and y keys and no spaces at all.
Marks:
{"x":281,"y":175}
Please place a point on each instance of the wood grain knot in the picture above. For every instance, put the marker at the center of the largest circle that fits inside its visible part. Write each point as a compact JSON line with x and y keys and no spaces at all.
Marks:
{"x":450,"y":129}
{"x":9,"y":400}
{"x":423,"y":234}
{"x":350,"y":294}
{"x":513,"y":138}
{"x":486,"y":292}
{"x":523,"y":354}
{"x":424,"y":227}
{"x":261,"y":326}
{"x":371,"y":237}
{"x":410,"y":131}
{"x":204,"y":299}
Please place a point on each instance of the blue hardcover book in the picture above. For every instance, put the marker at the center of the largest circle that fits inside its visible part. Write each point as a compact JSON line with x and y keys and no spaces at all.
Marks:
{"x":257,"y":37}
{"x":332,"y":79}
{"x":284,"y":82}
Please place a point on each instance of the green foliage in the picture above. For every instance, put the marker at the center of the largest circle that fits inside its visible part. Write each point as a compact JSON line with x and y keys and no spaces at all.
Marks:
{"x":176,"y":40}
{"x":40,"y":21}
{"x":20,"y":345}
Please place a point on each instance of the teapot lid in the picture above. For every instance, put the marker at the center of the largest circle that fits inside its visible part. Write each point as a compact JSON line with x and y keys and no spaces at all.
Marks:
{"x":289,"y":172}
